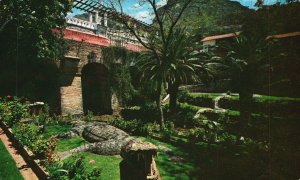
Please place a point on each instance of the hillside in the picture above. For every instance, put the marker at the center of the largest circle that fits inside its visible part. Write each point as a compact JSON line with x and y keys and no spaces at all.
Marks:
{"x":214,"y":16}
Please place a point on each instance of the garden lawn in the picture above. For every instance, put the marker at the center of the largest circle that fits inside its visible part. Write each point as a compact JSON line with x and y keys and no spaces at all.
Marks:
{"x":64,"y":144}
{"x":173,"y":165}
{"x":208,"y":95}
{"x":70,"y":143}
{"x":109,"y":165}
{"x":8,"y":168}
{"x":52,"y":130}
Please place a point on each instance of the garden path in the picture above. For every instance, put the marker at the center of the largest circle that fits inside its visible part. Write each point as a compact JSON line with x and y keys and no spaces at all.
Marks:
{"x":25,"y":170}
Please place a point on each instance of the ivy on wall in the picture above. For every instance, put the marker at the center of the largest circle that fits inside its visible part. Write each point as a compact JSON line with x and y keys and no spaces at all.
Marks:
{"x":117,"y":60}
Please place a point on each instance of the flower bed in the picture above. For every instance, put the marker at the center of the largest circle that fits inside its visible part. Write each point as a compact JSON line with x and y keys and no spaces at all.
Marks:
{"x":37,"y":147}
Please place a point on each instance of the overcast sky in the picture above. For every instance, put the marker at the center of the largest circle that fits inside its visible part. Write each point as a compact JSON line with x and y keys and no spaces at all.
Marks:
{"x":143,"y":12}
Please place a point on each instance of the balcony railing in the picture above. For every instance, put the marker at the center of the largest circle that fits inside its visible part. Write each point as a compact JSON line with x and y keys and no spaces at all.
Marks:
{"x":115,"y":36}
{"x":81,"y":23}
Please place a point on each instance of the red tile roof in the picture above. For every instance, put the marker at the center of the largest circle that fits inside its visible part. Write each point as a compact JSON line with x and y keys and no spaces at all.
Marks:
{"x":222,"y":36}
{"x":292,"y":34}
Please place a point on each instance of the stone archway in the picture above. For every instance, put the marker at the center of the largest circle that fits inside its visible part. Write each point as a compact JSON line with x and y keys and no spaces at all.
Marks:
{"x":96,"y":93}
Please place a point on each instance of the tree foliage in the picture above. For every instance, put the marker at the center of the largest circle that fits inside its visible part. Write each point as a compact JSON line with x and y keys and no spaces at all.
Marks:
{"x":27,"y":38}
{"x":27,"y":26}
{"x":161,"y":31}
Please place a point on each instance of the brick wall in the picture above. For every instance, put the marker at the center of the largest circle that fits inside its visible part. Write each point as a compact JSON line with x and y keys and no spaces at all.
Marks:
{"x":71,"y":95}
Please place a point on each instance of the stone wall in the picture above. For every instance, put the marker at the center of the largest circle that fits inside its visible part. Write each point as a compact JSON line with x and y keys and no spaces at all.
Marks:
{"x":70,"y":76}
{"x":82,"y":50}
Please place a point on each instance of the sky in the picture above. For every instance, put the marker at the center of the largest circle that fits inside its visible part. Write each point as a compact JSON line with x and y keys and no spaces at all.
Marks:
{"x":143,"y":12}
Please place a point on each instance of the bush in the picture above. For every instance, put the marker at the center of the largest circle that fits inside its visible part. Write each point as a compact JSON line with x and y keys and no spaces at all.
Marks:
{"x":135,"y":127}
{"x":202,"y":100}
{"x":185,"y":115}
{"x":29,"y":135}
{"x":208,"y":131}
{"x":168,"y":131}
{"x":12,"y":110}
{"x":89,"y":116}
{"x":72,"y":169}
{"x":279,"y":106}
{"x":147,"y":113}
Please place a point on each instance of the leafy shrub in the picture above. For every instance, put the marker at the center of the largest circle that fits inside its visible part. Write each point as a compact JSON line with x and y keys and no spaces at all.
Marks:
{"x":279,"y":106}
{"x":57,"y":120}
{"x":208,"y":131}
{"x":168,"y":131}
{"x":29,"y":135}
{"x":146,"y":113}
{"x":135,"y":127}
{"x":185,"y":115}
{"x":12,"y":110}
{"x":202,"y":100}
{"x":228,"y":139}
{"x":41,"y":119}
{"x":72,"y":169}
{"x":89,"y":116}
{"x":195,"y":134}
{"x":25,"y":133}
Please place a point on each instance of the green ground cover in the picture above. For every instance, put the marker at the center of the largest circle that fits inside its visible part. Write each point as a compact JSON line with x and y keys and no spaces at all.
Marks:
{"x":8,"y":168}
{"x":109,"y":165}
{"x":69,"y":143}
{"x":172,"y":165}
{"x":210,"y":95}
{"x":52,"y":130}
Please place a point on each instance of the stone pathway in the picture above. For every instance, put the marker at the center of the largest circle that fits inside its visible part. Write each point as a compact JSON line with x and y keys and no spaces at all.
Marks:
{"x":25,"y":170}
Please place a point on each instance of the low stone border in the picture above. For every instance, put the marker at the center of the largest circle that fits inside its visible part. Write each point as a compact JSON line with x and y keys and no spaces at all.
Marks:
{"x":25,"y":153}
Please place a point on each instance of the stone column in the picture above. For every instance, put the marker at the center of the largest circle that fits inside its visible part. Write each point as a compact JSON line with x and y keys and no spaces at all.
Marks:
{"x":138,"y":161}
{"x":90,"y":17}
{"x":105,"y":19}
{"x":96,"y":18}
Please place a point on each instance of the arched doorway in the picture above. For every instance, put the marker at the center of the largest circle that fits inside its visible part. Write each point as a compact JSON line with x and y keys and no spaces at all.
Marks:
{"x":96,"y":89}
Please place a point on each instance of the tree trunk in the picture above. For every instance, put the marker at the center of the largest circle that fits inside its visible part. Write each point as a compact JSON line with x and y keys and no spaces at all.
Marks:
{"x":245,"y":101}
{"x":159,"y":105}
{"x":173,"y":91}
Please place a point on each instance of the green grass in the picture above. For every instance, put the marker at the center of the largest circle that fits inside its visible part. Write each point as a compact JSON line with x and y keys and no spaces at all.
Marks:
{"x":109,"y":165}
{"x":168,"y":168}
{"x":52,"y":130}
{"x":276,"y":99}
{"x":67,"y":143}
{"x":8,"y":168}
{"x":70,"y":143}
{"x":262,"y":98}
{"x":208,"y":95}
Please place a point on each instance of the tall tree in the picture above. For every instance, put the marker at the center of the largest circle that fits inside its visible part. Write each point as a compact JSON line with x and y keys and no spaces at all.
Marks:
{"x":27,"y":39}
{"x":165,"y":22}
{"x":186,"y":64}
{"x":246,"y":55}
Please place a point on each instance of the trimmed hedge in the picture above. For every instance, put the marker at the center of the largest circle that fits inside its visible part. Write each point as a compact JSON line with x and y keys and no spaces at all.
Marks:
{"x":268,"y":105}
{"x":203,"y":100}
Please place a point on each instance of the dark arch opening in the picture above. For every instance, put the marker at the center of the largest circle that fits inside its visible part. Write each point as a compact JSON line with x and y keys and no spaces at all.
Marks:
{"x":96,"y":89}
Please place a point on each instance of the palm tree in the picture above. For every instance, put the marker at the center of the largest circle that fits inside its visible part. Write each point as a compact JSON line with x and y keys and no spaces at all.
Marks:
{"x":186,"y":64}
{"x":246,"y":56}
{"x":182,"y":63}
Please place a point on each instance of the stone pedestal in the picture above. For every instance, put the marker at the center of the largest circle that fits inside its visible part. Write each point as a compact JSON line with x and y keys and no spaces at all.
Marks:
{"x":138,"y":162}
{"x":36,"y":108}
